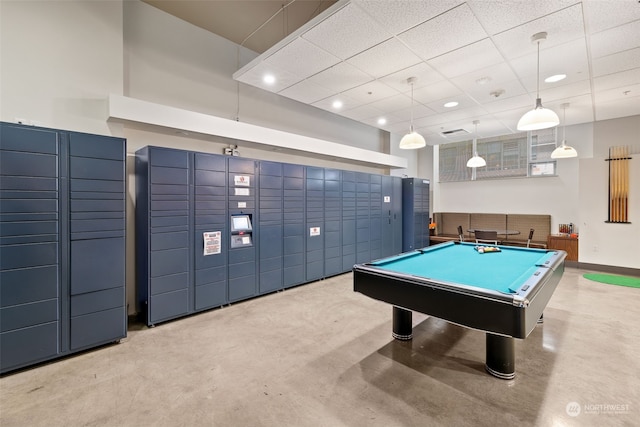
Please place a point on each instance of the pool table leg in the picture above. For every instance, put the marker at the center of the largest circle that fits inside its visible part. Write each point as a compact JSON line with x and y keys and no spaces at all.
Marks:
{"x":402,"y":324}
{"x":500,"y":360}
{"x":541,"y":319}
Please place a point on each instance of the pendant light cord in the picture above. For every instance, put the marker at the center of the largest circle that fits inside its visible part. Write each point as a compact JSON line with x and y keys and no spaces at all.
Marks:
{"x":411,"y":125}
{"x":538,"y":76}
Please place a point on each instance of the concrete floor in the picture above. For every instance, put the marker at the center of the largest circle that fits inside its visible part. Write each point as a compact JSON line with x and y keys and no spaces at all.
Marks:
{"x":322,"y":355}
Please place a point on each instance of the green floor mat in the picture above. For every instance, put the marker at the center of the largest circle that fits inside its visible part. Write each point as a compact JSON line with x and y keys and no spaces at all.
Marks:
{"x":611,"y":279}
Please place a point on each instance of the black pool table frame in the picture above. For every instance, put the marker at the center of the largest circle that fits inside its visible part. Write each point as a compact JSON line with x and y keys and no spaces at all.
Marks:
{"x":503,"y":317}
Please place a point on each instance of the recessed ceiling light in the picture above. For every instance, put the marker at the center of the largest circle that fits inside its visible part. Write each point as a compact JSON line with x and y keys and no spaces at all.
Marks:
{"x":382,"y":121}
{"x":269,"y":79}
{"x":451,"y":104}
{"x":337,"y":104}
{"x":555,"y":78}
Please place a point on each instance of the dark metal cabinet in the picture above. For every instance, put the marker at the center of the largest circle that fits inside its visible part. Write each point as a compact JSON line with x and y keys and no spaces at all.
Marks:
{"x":314,"y":226}
{"x":415,"y":211}
{"x":270,"y":244}
{"x":62,"y":243}
{"x":293,"y":233}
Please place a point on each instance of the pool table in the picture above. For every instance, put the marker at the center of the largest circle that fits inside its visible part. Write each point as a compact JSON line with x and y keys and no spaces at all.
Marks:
{"x":502,"y":293}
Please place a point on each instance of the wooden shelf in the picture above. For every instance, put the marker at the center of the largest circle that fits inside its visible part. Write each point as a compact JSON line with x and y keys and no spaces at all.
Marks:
{"x":564,"y":243}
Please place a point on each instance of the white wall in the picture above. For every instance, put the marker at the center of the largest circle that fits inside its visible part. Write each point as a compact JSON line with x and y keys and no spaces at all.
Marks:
{"x":59,"y":60}
{"x":601,"y":242}
{"x":579,"y":194}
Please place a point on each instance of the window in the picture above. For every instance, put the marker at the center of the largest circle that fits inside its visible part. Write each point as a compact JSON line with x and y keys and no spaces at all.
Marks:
{"x":518,"y":155}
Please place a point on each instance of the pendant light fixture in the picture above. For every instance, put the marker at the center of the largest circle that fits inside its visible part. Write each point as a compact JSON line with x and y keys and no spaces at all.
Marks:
{"x":476,"y":161}
{"x":413,"y":139}
{"x":564,"y":151}
{"x":539,"y":117}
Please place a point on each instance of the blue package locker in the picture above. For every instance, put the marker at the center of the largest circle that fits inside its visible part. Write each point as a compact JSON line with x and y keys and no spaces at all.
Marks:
{"x":163,"y":224}
{"x":293,"y":260}
{"x":391,"y":215}
{"x":270,"y":244}
{"x":363,"y":223}
{"x":62,"y":248}
{"x":375,"y":216}
{"x":348,"y":220}
{"x":210,"y":222}
{"x":332,"y":222}
{"x":415,"y":211}
{"x":314,"y":227}
{"x":242,"y":265}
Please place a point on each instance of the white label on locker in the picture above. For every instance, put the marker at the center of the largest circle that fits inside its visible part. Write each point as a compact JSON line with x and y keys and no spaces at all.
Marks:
{"x":387,"y":199}
{"x":242,"y":180}
{"x":241,"y":191}
{"x":212,"y":241}
{"x":242,"y":204}
{"x":314,"y":231}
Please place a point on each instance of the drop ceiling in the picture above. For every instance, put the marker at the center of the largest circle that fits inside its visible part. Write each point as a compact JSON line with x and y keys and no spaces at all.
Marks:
{"x":477,"y":53}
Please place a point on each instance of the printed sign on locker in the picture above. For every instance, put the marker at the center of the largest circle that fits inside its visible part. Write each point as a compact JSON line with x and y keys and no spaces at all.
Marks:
{"x":314,"y":231}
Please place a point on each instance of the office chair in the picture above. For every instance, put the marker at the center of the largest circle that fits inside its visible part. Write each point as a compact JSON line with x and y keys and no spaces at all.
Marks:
{"x":487,"y":237}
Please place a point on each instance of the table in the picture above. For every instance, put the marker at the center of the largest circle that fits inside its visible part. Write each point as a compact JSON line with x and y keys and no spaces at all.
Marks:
{"x":501,"y":232}
{"x":566,"y":243}
{"x":502,"y":293}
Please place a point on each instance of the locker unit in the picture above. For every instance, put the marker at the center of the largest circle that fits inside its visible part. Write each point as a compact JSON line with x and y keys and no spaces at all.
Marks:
{"x":375,"y":216}
{"x":271,"y":240}
{"x":363,"y":223}
{"x":415,"y":212}
{"x":62,"y":243}
{"x":293,"y":258}
{"x":332,"y":225}
{"x":210,"y":212}
{"x":307,"y":223}
{"x":391,"y":215}
{"x":348,"y":220}
{"x":242,"y":263}
{"x":314,"y":224}
{"x":163,"y":227}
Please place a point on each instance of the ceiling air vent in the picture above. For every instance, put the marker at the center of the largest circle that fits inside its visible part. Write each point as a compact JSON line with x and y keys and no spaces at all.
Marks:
{"x":454,"y":132}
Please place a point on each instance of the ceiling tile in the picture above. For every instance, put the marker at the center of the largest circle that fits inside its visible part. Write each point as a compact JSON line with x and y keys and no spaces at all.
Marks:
{"x":370,"y":92}
{"x":347,"y":32}
{"x":327,"y":103}
{"x":435,"y":92}
{"x":302,"y":58}
{"x":615,"y":108}
{"x":385,"y":58}
{"x":399,"y":16}
{"x":284,"y":79}
{"x":341,"y":77}
{"x":615,"y":40}
{"x":423,"y":73}
{"x":561,"y":27}
{"x":509,"y":103}
{"x":500,"y":15}
{"x":623,"y":79}
{"x":427,"y":39}
{"x":307,"y":92}
{"x":604,"y":14}
{"x":363,"y":112}
{"x":617,"y":62}
{"x":467,"y":59}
